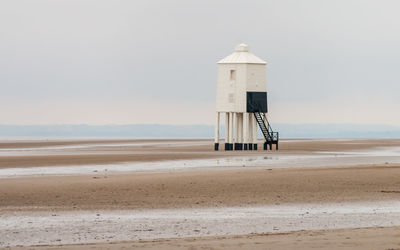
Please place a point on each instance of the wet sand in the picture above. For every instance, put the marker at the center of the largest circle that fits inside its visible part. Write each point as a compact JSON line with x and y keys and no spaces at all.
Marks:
{"x":117,"y":151}
{"x":202,"y":188}
{"x":99,"y":226}
{"x":385,"y":238}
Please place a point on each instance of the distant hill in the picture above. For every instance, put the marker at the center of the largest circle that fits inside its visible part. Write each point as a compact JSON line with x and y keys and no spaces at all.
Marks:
{"x":196,"y":131}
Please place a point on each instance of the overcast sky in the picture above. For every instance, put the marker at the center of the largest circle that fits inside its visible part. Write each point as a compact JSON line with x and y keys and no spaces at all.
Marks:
{"x":119,"y":62}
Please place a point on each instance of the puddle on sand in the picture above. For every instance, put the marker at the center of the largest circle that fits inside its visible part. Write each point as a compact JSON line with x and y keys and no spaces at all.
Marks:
{"x":49,"y":149}
{"x":276,"y":161}
{"x":269,"y":162}
{"x":66,"y":227}
{"x":378,"y":151}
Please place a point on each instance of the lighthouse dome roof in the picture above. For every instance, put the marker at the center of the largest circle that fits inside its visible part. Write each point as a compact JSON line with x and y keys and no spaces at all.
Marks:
{"x":242,"y":55}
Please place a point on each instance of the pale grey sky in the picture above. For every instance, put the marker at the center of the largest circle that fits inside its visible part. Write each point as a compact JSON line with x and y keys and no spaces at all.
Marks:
{"x":118,"y":62}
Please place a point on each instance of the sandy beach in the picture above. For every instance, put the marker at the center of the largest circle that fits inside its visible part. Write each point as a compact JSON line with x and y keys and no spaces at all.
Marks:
{"x":201,"y":188}
{"x":344,"y":179}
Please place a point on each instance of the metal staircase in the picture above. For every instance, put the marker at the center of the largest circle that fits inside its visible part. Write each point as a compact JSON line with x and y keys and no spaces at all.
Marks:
{"x":270,"y":136}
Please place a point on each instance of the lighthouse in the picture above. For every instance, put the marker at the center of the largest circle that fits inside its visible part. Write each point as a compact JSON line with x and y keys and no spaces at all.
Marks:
{"x":242,"y":101}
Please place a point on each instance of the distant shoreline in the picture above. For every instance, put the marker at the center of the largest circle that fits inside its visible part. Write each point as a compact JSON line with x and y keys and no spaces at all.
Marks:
{"x":194,"y":131}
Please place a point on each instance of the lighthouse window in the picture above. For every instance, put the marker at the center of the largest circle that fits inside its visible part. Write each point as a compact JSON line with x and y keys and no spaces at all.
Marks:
{"x":233,"y":75}
{"x":231,"y":98}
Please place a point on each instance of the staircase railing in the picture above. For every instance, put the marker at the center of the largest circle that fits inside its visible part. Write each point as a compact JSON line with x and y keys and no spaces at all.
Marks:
{"x":273,"y":135}
{"x":266,"y":129}
{"x":269,"y":135}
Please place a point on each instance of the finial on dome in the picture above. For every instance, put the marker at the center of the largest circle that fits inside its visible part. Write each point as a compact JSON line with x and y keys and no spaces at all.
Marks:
{"x":242,"y":48}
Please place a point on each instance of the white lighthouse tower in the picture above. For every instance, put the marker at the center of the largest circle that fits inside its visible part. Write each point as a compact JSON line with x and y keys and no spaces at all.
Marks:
{"x":242,"y":99}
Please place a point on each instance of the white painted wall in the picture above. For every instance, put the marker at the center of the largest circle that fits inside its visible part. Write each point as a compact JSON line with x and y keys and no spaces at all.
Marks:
{"x":250,"y":76}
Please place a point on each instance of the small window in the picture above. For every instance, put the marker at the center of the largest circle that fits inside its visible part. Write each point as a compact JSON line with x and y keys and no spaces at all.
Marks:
{"x":231,"y":98}
{"x":233,"y":75}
